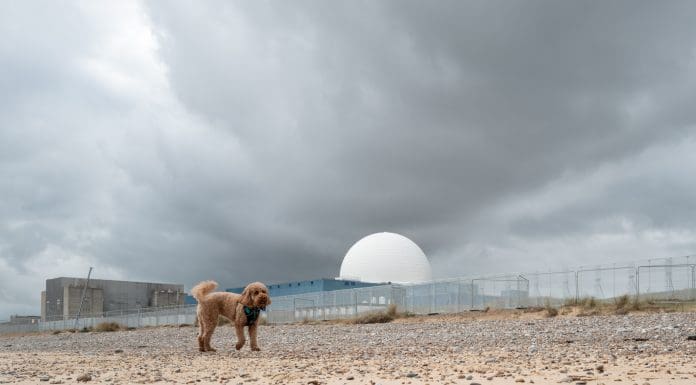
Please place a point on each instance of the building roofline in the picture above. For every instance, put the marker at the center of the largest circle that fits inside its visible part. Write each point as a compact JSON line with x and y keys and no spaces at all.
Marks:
{"x":118,"y":280}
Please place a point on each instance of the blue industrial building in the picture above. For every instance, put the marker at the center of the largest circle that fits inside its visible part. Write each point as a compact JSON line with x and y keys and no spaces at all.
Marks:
{"x":301,"y":287}
{"x":309,"y":286}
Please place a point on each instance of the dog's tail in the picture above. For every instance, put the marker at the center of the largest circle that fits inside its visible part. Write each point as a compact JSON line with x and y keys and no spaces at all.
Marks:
{"x":202,"y":289}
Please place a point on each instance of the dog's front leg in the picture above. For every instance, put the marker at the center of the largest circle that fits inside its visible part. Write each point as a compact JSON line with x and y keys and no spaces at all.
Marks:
{"x":252,"y":336}
{"x":240,"y":336}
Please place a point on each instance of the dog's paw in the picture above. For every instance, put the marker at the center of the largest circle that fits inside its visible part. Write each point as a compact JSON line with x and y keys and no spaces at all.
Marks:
{"x":255,"y":348}
{"x":238,"y":346}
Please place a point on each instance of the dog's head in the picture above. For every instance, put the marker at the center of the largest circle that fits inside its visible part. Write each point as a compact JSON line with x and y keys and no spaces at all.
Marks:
{"x":255,"y":295}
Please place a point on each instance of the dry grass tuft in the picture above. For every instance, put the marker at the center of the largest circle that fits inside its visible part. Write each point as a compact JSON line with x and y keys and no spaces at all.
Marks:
{"x":622,"y":302}
{"x":379,"y":316}
{"x":550,"y":310}
{"x":533,"y":309}
{"x":108,"y":327}
{"x":621,"y":305}
{"x":588,"y":303}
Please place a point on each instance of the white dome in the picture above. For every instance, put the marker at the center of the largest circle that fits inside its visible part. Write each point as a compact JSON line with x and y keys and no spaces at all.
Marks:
{"x":386,"y":257}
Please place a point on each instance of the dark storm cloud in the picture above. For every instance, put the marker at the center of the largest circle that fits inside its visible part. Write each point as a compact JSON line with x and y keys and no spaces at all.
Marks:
{"x":256,"y":140}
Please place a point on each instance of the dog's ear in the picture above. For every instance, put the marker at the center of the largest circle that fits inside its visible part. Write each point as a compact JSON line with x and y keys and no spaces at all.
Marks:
{"x":245,"y":299}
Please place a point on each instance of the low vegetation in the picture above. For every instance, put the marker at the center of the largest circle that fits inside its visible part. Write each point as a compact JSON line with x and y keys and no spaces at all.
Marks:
{"x":108,"y":327}
{"x":551,"y":311}
{"x":588,"y":303}
{"x":380,"y":316}
{"x":621,"y":305}
{"x":589,"y":306}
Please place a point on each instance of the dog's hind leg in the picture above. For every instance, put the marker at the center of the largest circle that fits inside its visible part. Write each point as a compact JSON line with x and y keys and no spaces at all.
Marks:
{"x":201,"y":332}
{"x":201,"y":342}
{"x":207,"y":336}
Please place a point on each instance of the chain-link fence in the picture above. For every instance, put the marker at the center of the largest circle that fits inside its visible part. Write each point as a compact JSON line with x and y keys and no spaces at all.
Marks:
{"x":131,"y":318}
{"x":663,"y":279}
{"x":446,"y":296}
{"x":669,"y":279}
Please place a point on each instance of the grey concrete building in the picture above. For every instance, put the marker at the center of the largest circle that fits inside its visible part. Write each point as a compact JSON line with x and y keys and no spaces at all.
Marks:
{"x":62,"y":296}
{"x":23,"y":319}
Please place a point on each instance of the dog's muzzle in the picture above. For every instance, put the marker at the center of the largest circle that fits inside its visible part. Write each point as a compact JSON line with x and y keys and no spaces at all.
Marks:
{"x":262,"y":302}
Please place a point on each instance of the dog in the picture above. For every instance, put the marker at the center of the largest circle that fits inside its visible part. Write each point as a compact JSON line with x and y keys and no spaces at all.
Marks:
{"x":241,"y":309}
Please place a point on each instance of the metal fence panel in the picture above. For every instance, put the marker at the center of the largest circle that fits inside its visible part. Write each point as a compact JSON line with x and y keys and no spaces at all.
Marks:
{"x":670,"y":279}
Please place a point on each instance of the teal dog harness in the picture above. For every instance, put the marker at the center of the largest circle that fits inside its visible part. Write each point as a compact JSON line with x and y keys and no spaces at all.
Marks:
{"x":252,"y":314}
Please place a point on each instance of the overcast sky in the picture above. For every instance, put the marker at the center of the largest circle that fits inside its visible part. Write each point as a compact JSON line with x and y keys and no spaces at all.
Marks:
{"x":252,"y":140}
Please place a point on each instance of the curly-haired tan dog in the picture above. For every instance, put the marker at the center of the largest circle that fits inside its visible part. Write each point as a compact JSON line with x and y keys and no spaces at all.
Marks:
{"x":242,"y":309}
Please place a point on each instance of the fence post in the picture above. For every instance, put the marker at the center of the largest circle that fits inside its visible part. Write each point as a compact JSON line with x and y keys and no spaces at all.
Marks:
{"x":519,"y":294}
{"x":459,"y":295}
{"x":693,"y":282}
{"x":637,"y":284}
{"x":577,"y":287}
{"x":472,"y":294}
{"x":432,"y":297}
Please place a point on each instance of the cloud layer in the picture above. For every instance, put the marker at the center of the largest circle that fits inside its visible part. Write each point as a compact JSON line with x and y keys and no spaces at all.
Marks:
{"x":244,"y":141}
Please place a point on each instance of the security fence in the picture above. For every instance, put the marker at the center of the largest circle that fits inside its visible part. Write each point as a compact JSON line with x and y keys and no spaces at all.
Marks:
{"x":669,"y":279}
{"x":445,"y":296}
{"x":132,"y":318}
{"x":664,"y":279}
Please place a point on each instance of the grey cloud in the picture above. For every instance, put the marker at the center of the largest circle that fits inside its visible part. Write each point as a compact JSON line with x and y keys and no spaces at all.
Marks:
{"x":258,"y":140}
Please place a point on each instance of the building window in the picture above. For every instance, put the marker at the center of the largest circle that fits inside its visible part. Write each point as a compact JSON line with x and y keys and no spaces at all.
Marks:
{"x":299,"y":283}
{"x":311,"y":282}
{"x":290,"y":284}
{"x":345,"y":283}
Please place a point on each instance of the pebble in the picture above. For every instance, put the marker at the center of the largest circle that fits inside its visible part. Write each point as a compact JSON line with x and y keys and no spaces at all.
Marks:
{"x":84,"y":378}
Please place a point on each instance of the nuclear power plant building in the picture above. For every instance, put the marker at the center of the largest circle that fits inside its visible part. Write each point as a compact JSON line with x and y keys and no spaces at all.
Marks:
{"x":62,"y":297}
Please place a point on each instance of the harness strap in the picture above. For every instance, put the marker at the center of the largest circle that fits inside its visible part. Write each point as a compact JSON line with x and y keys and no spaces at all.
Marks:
{"x":252,"y":314}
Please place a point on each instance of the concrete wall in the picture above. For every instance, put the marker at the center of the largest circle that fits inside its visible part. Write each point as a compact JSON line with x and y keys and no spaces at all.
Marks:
{"x":63,"y":294}
{"x":93,"y":304}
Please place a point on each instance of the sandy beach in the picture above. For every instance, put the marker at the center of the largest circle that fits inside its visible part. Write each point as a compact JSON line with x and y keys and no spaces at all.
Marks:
{"x":473,"y":348}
